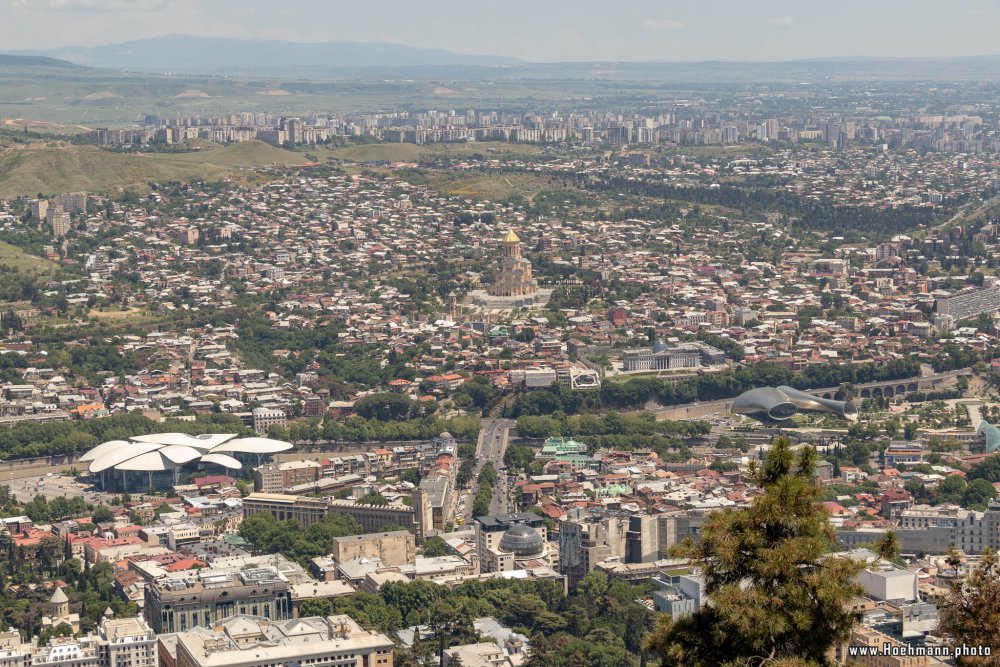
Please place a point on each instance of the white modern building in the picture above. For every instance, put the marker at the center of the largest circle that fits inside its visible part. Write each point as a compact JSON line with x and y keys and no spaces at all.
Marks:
{"x":159,"y":453}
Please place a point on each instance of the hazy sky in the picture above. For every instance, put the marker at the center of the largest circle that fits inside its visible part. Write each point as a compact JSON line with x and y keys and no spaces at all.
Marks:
{"x":537,"y":30}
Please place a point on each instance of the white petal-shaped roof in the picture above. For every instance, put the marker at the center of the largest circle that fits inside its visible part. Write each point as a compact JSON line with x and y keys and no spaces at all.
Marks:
{"x":223,"y":460}
{"x":148,"y":462}
{"x":202,"y":442}
{"x":254,"y":446}
{"x":119,"y":455}
{"x":102,"y":449}
{"x":163,"y":439}
{"x":166,"y":451}
{"x":180,"y":453}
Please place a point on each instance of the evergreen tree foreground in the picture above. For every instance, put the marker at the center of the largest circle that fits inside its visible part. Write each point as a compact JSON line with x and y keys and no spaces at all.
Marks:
{"x":776,"y":597}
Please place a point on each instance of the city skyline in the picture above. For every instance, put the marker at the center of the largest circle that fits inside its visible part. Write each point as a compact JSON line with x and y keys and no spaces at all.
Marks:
{"x":773,"y":30}
{"x":520,"y":335}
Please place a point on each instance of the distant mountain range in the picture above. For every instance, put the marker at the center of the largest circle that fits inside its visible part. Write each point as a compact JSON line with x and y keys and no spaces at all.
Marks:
{"x":34,"y":61}
{"x":210,"y":55}
{"x":186,"y":55}
{"x":808,"y":71}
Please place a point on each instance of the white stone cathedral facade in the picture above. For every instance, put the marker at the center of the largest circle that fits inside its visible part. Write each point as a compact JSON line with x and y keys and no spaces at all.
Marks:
{"x":512,"y":272}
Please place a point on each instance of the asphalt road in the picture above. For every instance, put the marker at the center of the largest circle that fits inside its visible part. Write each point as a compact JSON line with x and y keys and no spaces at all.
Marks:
{"x":494,"y":436}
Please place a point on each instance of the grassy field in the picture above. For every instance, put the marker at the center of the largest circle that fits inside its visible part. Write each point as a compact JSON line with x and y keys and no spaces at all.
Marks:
{"x":11,"y":255}
{"x":54,"y":167}
{"x":473,"y":185}
{"x":123,"y":319}
{"x":492,"y":186}
{"x":417,"y":153}
{"x":115,"y":315}
{"x":248,"y":154}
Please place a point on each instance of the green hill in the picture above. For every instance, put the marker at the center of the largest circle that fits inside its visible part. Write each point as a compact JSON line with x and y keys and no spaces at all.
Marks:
{"x":54,"y":167}
{"x":11,"y":255}
{"x":246,"y":154}
{"x":35,"y":61}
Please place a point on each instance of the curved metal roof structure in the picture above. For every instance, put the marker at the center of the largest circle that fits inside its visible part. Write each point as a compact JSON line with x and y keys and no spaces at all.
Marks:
{"x":120,"y":455}
{"x":102,"y":449}
{"x":223,"y":460}
{"x":167,"y":451}
{"x":253,"y":446}
{"x":992,"y":435}
{"x":204,"y":441}
{"x":784,"y":402}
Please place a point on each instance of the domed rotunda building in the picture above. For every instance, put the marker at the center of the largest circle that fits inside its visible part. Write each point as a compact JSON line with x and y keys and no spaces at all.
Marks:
{"x":507,"y":542}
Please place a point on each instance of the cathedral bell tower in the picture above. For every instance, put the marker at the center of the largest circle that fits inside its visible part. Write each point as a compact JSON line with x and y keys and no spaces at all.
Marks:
{"x":511,"y":245}
{"x":512,"y":273}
